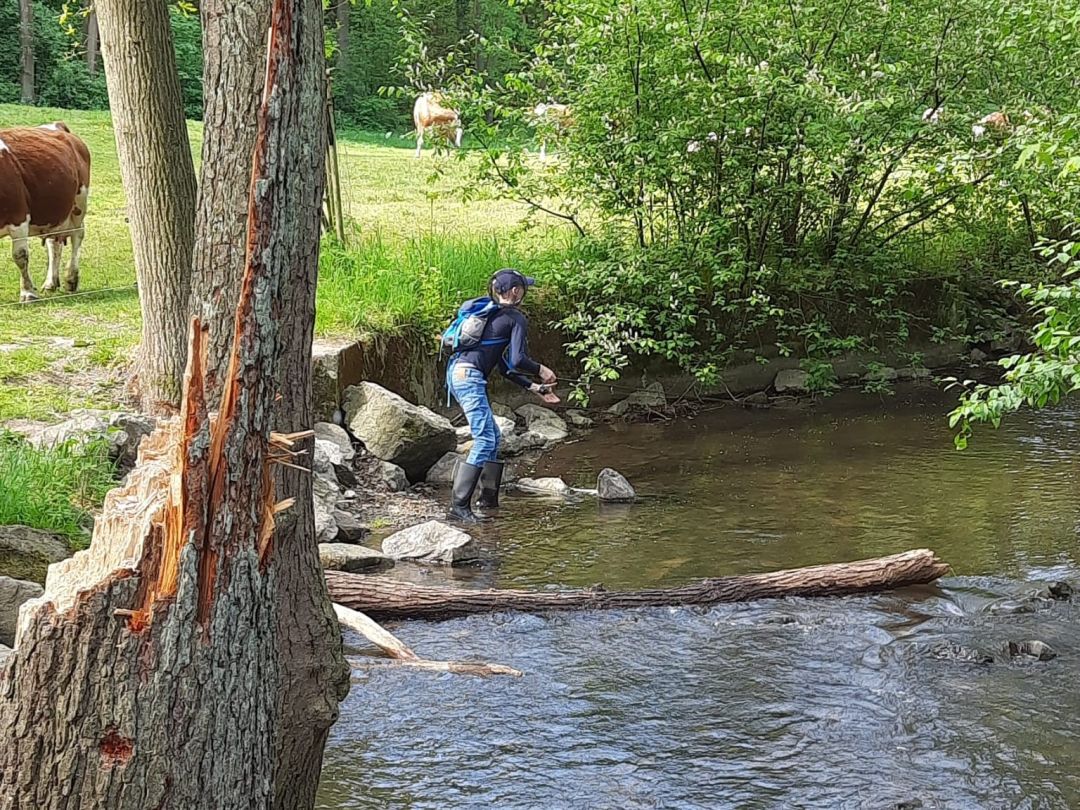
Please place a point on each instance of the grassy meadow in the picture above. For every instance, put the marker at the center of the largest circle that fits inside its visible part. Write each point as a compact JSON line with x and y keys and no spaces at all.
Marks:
{"x":413,"y":251}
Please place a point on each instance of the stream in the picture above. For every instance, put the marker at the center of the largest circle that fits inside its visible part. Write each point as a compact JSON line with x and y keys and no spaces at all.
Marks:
{"x":898,"y":700}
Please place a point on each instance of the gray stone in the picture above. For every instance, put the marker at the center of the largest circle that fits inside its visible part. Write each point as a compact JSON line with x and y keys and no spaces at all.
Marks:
{"x":396,"y":430}
{"x":350,"y":529}
{"x":978,"y":356}
{"x":1037,"y":650}
{"x":431,"y":542}
{"x":517,"y":443}
{"x":578,"y":419}
{"x":913,"y":373}
{"x":757,"y":398}
{"x":463,"y":433}
{"x":543,"y":486}
{"x":325,"y":496}
{"x":506,"y":427}
{"x":442,"y":471}
{"x":5,"y":651}
{"x":329,"y":432}
{"x":612,"y":486}
{"x":324,"y":457}
{"x":545,"y":422}
{"x":1060,"y":591}
{"x":347,"y":557}
{"x":26,"y":553}
{"x":883,"y":374}
{"x":392,"y":477}
{"x":503,"y":410}
{"x":13,"y":592}
{"x":335,"y":365}
{"x":792,"y":381}
{"x":123,"y":432}
{"x":651,"y":398}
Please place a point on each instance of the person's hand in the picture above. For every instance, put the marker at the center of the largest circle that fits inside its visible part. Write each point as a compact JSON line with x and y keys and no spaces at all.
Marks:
{"x":550,"y":398}
{"x":545,"y":393}
{"x":547,"y":376}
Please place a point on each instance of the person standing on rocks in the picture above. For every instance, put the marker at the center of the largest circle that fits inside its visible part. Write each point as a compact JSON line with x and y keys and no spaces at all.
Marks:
{"x":502,"y":345}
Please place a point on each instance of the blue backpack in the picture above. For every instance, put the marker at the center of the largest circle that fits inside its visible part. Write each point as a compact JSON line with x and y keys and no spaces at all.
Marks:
{"x":466,"y":331}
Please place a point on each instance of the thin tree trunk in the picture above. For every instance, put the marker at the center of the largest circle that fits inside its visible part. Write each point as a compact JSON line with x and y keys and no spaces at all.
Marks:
{"x":343,"y":14}
{"x":148,"y":677}
{"x":159,"y":180}
{"x":92,"y":43}
{"x":26,"y":50}
{"x":234,"y":48}
{"x":387,"y":599}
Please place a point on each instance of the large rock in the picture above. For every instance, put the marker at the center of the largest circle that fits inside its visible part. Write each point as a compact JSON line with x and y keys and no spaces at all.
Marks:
{"x":122,"y":431}
{"x":612,"y":486}
{"x":431,"y":542}
{"x":792,"y":381}
{"x":517,"y":443}
{"x":545,"y":422}
{"x":506,"y":427}
{"x":26,"y":553}
{"x":5,"y":651}
{"x":346,"y":557}
{"x":651,"y":398}
{"x":396,"y":430}
{"x":543,"y":486}
{"x":325,"y":497}
{"x":503,"y":410}
{"x":335,"y":434}
{"x":13,"y":592}
{"x":442,"y":471}
{"x":335,"y":365}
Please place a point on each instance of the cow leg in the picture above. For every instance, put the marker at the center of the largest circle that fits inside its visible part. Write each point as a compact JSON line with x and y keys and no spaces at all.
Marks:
{"x":419,"y":140}
{"x":78,"y":230}
{"x":457,"y":137}
{"x":543,"y":151}
{"x":56,"y":251}
{"x":20,"y":251}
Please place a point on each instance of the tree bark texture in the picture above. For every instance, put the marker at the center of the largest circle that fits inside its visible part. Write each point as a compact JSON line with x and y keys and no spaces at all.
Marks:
{"x":147,"y":675}
{"x":26,"y":50}
{"x":159,"y":181}
{"x":386,"y":599}
{"x":315,"y":676}
{"x":234,"y":63}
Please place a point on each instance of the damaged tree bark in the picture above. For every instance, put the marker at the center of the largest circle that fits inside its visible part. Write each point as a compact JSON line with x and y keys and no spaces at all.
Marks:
{"x":386,"y":599}
{"x":146,"y":676}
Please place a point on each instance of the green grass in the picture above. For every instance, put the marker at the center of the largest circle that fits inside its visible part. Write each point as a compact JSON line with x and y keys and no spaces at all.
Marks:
{"x":53,"y":489}
{"x":414,"y":248}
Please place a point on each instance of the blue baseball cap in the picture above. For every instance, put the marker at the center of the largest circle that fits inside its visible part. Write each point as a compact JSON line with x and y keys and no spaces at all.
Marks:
{"x":508,"y":278}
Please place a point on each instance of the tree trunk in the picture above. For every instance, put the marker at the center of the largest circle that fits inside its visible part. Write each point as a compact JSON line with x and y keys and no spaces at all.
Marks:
{"x":147,"y":676}
{"x":234,"y":60}
{"x":26,"y":50}
{"x":387,"y":599}
{"x":344,"y":7}
{"x":92,"y":43}
{"x":315,"y":676}
{"x":159,"y":180}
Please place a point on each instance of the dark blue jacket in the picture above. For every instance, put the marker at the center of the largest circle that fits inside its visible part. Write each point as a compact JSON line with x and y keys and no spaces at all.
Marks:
{"x":504,"y":346}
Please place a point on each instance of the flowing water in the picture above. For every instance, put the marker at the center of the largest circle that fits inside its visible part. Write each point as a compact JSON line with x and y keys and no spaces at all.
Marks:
{"x":883,"y":701}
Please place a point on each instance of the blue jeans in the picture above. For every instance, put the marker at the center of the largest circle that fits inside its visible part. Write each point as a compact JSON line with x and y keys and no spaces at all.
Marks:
{"x":469,"y":388}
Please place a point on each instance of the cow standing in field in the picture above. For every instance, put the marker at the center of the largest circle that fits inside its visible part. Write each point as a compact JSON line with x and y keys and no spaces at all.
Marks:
{"x":551,"y":119}
{"x":430,"y":114}
{"x":44,"y":182}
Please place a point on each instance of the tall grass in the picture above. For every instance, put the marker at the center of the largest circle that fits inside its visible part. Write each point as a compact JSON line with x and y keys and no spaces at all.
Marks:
{"x":53,"y":489}
{"x":382,"y":283}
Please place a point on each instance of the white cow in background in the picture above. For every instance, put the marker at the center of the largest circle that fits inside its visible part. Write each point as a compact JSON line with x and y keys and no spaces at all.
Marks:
{"x":550,"y":119}
{"x":429,"y":113}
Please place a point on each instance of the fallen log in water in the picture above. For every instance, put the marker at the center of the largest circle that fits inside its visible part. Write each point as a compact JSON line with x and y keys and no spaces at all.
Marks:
{"x":384,"y":598}
{"x":402,"y":654}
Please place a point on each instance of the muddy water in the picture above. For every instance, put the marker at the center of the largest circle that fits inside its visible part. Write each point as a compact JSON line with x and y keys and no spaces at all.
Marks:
{"x":863,"y":702}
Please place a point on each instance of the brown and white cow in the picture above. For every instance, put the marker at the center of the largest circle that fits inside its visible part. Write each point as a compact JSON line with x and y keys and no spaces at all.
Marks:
{"x":996,"y":123}
{"x":429,"y":113}
{"x":551,"y":120}
{"x":44,"y":181}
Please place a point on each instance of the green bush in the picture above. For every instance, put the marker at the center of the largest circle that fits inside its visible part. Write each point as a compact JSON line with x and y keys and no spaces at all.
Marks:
{"x":53,"y":489}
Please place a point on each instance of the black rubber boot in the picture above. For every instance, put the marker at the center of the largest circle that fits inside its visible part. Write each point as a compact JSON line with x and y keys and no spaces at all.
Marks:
{"x":490,"y":481}
{"x":466,"y":477}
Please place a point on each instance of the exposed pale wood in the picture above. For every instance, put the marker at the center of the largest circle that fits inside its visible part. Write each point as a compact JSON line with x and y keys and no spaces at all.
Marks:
{"x":384,"y":598}
{"x":403,"y":655}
